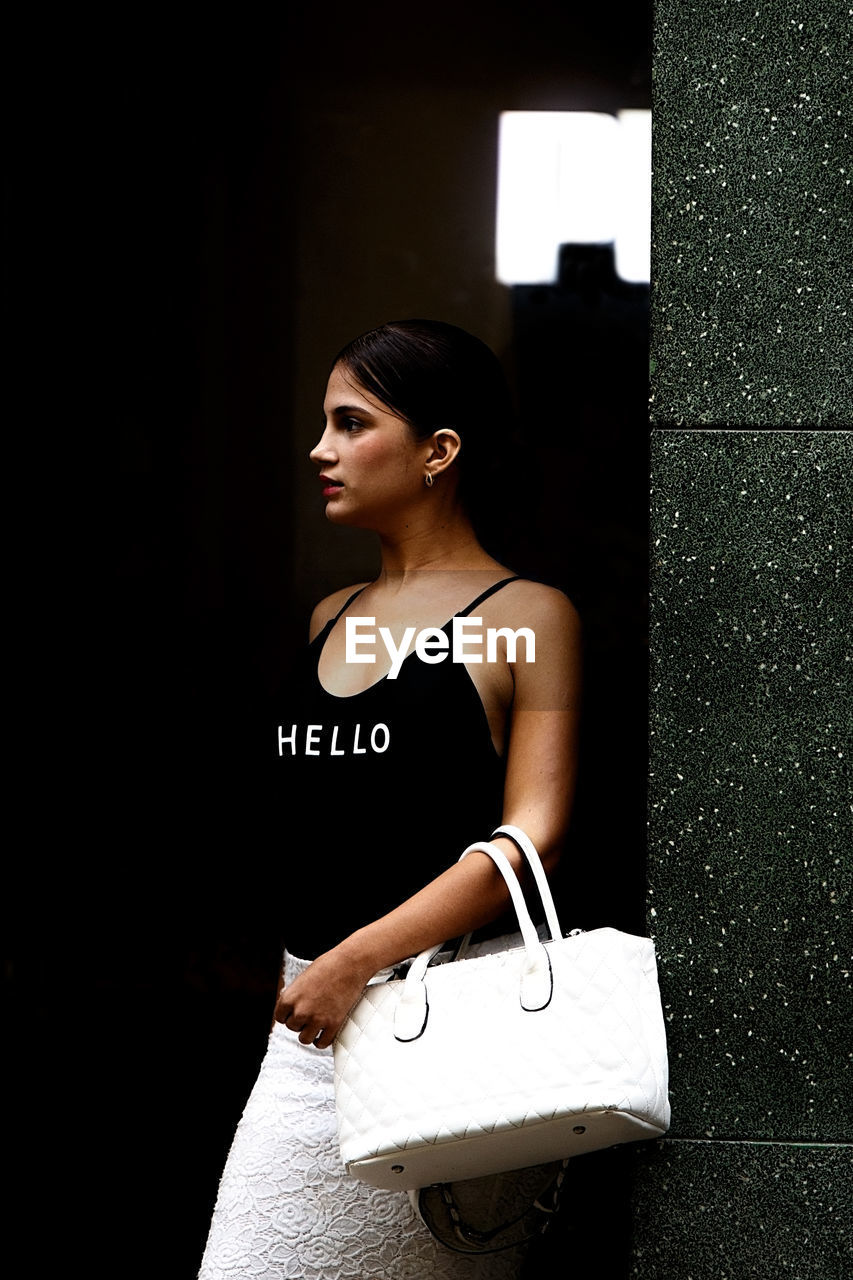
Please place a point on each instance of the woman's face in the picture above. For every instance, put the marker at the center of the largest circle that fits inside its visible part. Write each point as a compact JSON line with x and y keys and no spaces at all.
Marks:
{"x":371,"y":466}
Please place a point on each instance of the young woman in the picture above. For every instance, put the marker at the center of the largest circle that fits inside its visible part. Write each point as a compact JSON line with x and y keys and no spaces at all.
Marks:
{"x":416,"y":726}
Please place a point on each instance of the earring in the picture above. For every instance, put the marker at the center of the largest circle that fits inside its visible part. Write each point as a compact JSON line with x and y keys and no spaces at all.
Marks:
{"x":429,"y":479}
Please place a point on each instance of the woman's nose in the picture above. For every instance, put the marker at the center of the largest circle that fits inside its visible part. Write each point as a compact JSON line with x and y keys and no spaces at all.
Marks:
{"x":323,"y":451}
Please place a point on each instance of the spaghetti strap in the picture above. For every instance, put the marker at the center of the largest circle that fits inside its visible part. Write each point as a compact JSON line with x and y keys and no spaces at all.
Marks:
{"x":490,"y":591}
{"x":344,"y":607}
{"x":463,"y":613}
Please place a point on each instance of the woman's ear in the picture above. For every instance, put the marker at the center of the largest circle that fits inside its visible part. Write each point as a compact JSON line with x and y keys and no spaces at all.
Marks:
{"x":445,"y":446}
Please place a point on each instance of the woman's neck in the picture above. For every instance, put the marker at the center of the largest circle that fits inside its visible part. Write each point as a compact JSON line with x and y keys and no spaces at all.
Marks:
{"x":449,"y":544}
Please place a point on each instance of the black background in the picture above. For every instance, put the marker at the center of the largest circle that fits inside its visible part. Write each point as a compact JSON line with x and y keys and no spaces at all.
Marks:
{"x":153,"y":245}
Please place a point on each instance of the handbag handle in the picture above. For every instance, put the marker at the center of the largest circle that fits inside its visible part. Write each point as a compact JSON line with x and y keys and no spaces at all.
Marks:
{"x":527,"y":848}
{"x":536,"y":979}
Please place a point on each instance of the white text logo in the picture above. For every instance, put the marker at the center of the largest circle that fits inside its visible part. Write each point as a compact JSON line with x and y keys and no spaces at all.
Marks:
{"x":433,"y":645}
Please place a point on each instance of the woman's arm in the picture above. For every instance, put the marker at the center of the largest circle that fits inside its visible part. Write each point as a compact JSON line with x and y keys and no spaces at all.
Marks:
{"x":541,"y":767}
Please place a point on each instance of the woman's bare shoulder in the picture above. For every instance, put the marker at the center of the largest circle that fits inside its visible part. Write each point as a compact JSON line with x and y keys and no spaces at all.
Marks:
{"x":329,"y":606}
{"x":537,"y":602}
{"x":547,"y":670}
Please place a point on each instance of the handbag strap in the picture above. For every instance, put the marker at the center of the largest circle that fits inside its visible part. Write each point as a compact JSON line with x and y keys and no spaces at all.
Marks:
{"x":503,"y":864}
{"x":440,"y":1212}
{"x":536,"y":981}
{"x":526,"y":846}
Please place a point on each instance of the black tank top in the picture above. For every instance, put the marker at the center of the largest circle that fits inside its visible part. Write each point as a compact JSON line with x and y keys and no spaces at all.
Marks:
{"x":385,"y":788}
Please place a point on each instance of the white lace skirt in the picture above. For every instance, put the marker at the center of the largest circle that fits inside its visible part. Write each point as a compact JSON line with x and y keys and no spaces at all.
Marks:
{"x":288,"y":1210}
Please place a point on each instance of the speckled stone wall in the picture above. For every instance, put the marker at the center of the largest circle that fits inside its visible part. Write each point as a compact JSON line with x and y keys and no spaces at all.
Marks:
{"x":752,"y":213}
{"x":751,"y":710}
{"x":750,"y":791}
{"x":743,"y":1210}
{"x":750,"y":851}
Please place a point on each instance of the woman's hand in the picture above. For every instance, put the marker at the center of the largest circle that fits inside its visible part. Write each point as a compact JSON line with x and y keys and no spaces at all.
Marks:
{"x":316,"y":1003}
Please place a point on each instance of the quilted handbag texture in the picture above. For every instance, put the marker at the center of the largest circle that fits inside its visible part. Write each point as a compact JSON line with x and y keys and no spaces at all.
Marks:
{"x":497,"y":1062}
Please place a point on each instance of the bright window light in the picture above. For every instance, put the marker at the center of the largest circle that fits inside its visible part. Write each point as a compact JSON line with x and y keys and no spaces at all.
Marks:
{"x":572,"y":177}
{"x":634,"y":211}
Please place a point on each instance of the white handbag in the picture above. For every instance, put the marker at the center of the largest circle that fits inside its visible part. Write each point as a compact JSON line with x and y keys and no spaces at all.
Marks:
{"x":507,"y":1060}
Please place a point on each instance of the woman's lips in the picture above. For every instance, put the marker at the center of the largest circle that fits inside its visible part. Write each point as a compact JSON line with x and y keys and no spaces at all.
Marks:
{"x":330,"y":486}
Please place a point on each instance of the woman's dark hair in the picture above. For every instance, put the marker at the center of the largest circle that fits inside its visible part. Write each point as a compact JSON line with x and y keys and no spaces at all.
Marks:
{"x":436,"y":375}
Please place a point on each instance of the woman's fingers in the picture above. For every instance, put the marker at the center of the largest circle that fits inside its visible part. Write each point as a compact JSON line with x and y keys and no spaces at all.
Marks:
{"x":316,"y":1003}
{"x":310,"y":1032}
{"x":309,"y":1029}
{"x":292,"y":1018}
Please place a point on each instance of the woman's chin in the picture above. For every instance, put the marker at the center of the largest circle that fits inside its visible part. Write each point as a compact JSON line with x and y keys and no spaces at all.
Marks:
{"x":337,"y":513}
